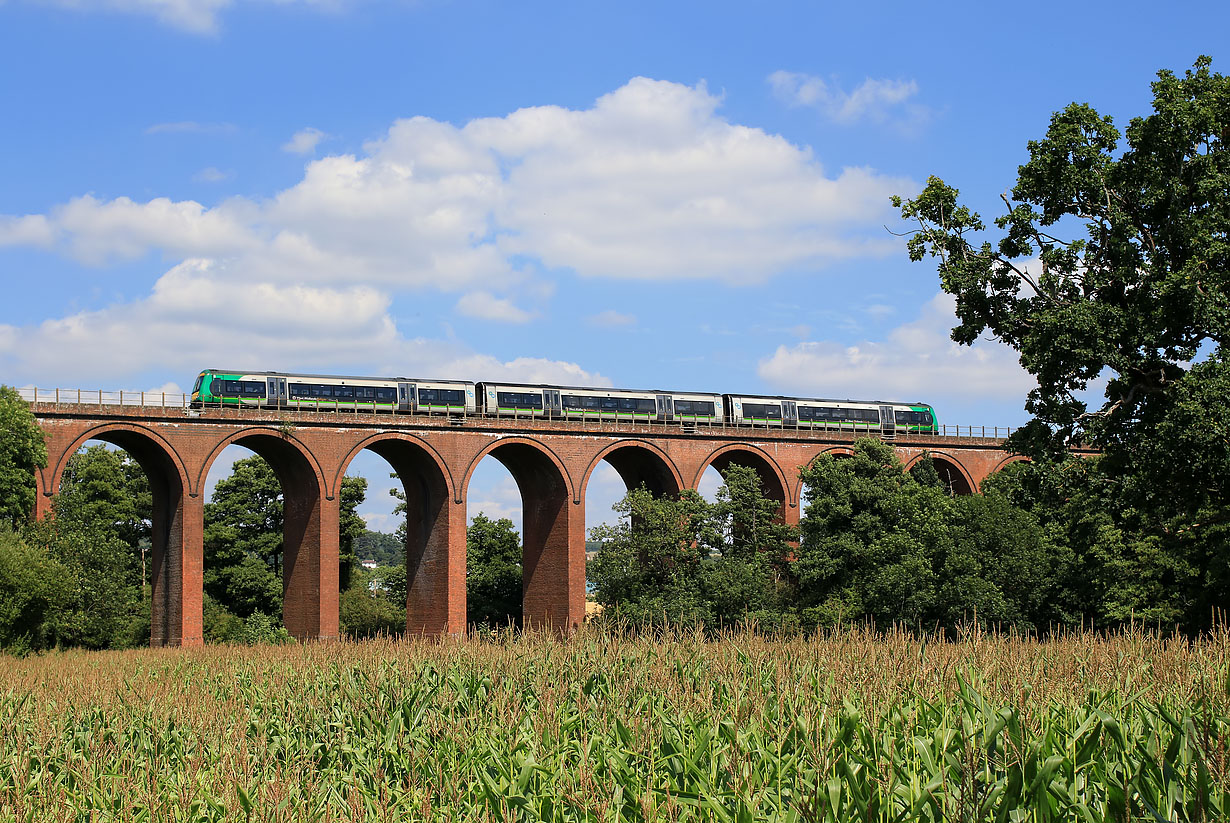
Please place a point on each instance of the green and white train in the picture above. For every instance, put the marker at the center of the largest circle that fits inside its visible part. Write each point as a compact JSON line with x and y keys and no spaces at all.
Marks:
{"x":459,"y":397}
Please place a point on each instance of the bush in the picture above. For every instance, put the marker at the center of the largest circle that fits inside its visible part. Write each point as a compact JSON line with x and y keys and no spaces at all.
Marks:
{"x":366,"y":615}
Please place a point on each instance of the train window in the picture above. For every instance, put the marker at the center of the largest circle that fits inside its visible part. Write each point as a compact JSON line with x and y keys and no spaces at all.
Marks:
{"x":519,"y":400}
{"x":610,"y":404}
{"x":386,"y":394}
{"x":697,"y":407}
{"x":766,"y":411}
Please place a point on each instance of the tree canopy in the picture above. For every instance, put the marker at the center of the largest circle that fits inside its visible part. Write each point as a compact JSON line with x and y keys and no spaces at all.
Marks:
{"x":1110,"y":269}
{"x":22,"y":451}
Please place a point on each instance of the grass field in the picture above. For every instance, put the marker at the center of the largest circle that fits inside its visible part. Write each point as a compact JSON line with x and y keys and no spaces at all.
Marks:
{"x":852,"y":726}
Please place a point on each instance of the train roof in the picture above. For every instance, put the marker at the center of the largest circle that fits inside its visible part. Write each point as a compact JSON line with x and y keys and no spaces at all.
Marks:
{"x":595,"y":388}
{"x":341,"y":376}
{"x":826,"y":400}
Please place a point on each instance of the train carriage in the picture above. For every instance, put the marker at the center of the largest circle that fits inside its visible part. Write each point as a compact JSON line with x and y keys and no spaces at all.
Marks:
{"x":578,"y":403}
{"x":332,"y":392}
{"x":802,"y":412}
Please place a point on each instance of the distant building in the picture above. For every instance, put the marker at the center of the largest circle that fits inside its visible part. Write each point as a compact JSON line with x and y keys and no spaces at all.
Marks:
{"x":368,"y":564}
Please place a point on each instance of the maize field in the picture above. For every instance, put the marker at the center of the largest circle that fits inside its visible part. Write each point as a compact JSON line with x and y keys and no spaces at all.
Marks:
{"x":854,"y":725}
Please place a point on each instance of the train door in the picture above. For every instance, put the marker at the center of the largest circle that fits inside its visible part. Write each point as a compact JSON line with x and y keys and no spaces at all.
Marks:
{"x":407,"y":397}
{"x":790,"y":413}
{"x":275,"y":391}
{"x":888,"y":423}
{"x":666,"y":407}
{"x":551,"y":403}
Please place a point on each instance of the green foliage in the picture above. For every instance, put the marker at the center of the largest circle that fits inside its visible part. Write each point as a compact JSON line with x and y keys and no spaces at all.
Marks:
{"x":1112,"y":261}
{"x":243,"y":539}
{"x":385,"y":549}
{"x":493,"y":572}
{"x":22,"y":451}
{"x":681,"y":560}
{"x":32,"y":594}
{"x":350,"y":527}
{"x":882,"y":543}
{"x":366,"y":613}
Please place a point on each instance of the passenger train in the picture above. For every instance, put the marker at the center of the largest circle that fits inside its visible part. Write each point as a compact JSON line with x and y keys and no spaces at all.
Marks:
{"x":459,"y":398}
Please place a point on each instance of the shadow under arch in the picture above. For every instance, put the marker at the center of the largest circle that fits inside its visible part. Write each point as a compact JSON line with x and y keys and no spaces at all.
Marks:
{"x":553,"y":532}
{"x":175,"y":565}
{"x":310,"y":570}
{"x":637,"y":462}
{"x":955,"y":477}
{"x":435,"y":532}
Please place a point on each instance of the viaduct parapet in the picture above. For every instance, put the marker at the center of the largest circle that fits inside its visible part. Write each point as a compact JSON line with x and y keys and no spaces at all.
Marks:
{"x":435,"y":457}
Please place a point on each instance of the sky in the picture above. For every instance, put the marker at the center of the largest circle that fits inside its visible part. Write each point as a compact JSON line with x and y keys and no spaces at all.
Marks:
{"x":688,"y":196}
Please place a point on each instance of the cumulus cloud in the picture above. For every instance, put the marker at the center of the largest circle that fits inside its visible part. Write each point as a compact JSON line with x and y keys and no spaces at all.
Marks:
{"x":30,"y":230}
{"x":198,"y":317}
{"x":304,"y":141}
{"x":874,"y":99}
{"x":918,"y":360}
{"x":649,"y":182}
{"x":486,"y":306}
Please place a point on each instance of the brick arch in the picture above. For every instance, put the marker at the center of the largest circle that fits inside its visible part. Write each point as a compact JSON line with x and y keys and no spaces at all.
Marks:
{"x":1007,"y":461}
{"x":123,"y":435}
{"x":309,"y":529}
{"x":462,"y":489}
{"x":262,"y":432}
{"x":411,"y":441}
{"x":435,"y":531}
{"x":630,"y":471}
{"x":174,"y":551}
{"x":552,"y":532}
{"x":771,"y":474}
{"x":959,"y":478}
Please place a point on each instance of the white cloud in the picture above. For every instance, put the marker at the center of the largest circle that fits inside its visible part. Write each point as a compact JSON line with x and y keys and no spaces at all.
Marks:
{"x":96,"y":232}
{"x":649,"y":182}
{"x":212,"y":175}
{"x":486,"y":306}
{"x":197,"y":316}
{"x":304,"y":141}
{"x":30,"y":230}
{"x":191,"y":127}
{"x":610,"y":319}
{"x":918,"y":361}
{"x":874,"y":99}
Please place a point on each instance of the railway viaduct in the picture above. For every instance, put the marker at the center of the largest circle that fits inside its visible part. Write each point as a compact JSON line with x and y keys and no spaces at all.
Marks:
{"x":435,"y":457}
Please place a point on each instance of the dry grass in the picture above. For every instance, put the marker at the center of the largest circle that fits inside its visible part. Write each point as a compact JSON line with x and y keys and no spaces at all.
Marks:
{"x":851,"y":726}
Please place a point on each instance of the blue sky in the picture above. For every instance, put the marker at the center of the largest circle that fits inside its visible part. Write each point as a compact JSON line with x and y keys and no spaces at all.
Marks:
{"x":674,"y":195}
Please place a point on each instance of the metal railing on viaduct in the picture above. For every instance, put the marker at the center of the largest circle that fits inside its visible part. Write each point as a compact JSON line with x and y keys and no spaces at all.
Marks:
{"x":435,"y":456}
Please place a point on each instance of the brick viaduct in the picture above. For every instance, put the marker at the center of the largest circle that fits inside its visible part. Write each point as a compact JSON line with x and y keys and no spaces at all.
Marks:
{"x":551,"y":462}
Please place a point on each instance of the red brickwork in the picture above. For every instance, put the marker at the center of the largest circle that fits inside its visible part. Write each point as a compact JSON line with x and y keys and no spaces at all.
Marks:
{"x":551,"y":461}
